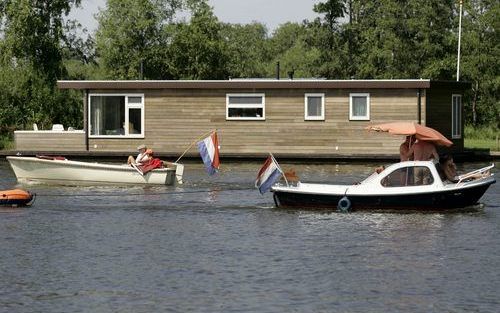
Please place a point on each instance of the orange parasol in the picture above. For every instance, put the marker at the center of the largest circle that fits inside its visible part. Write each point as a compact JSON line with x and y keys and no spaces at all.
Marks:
{"x":411,"y":128}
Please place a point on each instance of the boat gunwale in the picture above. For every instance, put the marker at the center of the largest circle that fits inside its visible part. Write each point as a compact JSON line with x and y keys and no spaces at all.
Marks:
{"x":445,"y":188}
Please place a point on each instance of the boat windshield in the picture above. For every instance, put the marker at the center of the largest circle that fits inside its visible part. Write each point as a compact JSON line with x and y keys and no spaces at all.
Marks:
{"x":408,"y":176}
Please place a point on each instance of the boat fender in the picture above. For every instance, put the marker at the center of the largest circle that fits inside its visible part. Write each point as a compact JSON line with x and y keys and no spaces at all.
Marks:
{"x":276,"y":200}
{"x":344,"y":204}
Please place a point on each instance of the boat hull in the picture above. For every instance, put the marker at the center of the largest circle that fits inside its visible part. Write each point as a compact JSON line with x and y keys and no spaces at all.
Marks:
{"x":431,"y":201}
{"x":29,"y":169}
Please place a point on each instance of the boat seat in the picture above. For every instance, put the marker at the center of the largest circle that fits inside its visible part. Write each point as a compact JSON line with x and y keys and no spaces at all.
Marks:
{"x":57,"y":127}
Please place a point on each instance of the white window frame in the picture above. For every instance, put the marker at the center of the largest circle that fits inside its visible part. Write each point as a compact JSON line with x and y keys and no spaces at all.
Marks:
{"x":453,"y":126}
{"x":359,"y":118}
{"x":242,"y":105}
{"x":314,"y":118}
{"x":127,"y":107}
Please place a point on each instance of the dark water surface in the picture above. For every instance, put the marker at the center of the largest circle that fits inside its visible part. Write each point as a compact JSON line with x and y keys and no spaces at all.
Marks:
{"x":204,"y":248}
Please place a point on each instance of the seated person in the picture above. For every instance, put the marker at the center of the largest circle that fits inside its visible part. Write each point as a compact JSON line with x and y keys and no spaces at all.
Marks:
{"x":448,"y":170}
{"x":142,"y":157}
{"x":148,"y":165}
{"x":149,"y":154}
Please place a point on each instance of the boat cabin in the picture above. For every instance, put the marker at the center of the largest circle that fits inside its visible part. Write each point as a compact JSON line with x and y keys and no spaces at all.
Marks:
{"x":422,"y":174}
{"x":302,"y":118}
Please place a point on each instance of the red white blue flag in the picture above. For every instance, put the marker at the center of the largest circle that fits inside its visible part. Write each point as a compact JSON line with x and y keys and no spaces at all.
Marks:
{"x":268,"y":174}
{"x":209,"y":151}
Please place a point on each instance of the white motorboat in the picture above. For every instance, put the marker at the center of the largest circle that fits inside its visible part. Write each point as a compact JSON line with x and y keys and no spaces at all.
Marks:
{"x":63,"y":171}
{"x":410,"y":185}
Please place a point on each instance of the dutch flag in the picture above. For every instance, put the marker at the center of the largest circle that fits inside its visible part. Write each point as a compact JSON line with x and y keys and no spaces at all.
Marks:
{"x":268,"y":174}
{"x":209,"y":151}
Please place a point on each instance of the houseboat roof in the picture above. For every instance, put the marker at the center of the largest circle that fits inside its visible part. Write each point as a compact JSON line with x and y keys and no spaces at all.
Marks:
{"x":257,"y":84}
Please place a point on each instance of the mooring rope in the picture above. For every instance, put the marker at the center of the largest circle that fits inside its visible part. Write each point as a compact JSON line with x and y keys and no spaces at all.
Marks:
{"x":140,"y":194}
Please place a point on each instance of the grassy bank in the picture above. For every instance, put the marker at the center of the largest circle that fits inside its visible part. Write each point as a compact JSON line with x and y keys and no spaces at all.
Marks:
{"x":6,"y":142}
{"x":482,"y":138}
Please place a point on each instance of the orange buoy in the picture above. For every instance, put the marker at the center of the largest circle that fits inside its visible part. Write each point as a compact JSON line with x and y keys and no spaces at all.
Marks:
{"x":16,"y":197}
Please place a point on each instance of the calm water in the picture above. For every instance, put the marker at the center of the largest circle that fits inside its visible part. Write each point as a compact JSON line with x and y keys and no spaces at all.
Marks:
{"x":202,"y":248}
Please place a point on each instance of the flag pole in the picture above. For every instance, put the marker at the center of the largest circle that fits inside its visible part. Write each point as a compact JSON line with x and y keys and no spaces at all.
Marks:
{"x":279,"y":168}
{"x":459,"y":40}
{"x":194,"y":142}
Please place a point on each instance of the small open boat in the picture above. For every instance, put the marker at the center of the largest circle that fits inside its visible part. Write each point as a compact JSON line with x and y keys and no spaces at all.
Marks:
{"x":16,"y":197}
{"x":410,"y":185}
{"x":63,"y":171}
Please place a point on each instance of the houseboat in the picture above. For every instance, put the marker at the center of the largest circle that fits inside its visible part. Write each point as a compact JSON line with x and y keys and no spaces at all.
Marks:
{"x":300,"y":118}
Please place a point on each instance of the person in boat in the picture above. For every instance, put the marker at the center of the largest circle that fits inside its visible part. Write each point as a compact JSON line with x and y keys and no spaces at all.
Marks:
{"x":404,"y":149}
{"x":142,"y":157}
{"x":150,"y":164}
{"x":149,"y":154}
{"x":423,"y":151}
{"x":448,"y":170}
{"x":405,"y":155}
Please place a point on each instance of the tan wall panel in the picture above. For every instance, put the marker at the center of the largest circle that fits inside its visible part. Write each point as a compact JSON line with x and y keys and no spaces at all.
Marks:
{"x":174,"y":118}
{"x":49,"y":141}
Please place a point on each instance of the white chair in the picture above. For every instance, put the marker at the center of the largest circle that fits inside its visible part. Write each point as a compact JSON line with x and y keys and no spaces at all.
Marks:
{"x":57,"y":127}
{"x":35,"y":127}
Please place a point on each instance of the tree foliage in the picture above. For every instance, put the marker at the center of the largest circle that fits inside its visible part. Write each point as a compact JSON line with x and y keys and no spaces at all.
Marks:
{"x":130,"y":37}
{"x":197,"y":50}
{"x":246,"y":49}
{"x":33,"y":33}
{"x":31,"y":62}
{"x":289,"y":46}
{"x":480,"y":62}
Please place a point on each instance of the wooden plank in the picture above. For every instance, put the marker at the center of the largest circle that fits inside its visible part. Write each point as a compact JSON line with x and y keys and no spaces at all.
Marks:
{"x":49,"y":141}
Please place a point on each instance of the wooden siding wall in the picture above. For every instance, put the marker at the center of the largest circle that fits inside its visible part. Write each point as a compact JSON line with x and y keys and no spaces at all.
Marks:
{"x":439,"y":110}
{"x":49,"y":141}
{"x":174,"y":118}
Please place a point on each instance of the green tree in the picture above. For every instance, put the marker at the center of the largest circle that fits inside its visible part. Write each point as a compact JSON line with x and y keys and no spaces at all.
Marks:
{"x":480,"y":61}
{"x":31,"y":62}
{"x":289,"y":46}
{"x":130,"y":34}
{"x":247,"y":50}
{"x":33,"y":32}
{"x":328,"y":40}
{"x":197,"y":49}
{"x":404,"y":39}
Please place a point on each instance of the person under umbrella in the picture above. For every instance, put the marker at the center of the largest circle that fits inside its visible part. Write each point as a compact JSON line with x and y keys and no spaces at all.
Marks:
{"x":404,"y":148}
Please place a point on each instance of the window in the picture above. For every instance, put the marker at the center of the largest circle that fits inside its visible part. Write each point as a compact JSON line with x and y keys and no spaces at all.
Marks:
{"x":359,"y":106}
{"x":112,"y":115}
{"x":245,"y":107}
{"x":456,"y":116}
{"x":408,"y":176}
{"x":314,"y":107}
